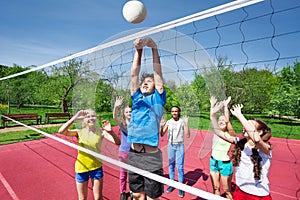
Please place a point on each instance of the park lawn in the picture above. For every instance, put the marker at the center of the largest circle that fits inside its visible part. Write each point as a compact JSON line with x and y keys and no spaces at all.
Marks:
{"x":281,"y":128}
{"x":21,"y":136}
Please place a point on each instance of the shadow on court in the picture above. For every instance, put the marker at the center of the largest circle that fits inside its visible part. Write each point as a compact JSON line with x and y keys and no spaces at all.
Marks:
{"x":192,"y":177}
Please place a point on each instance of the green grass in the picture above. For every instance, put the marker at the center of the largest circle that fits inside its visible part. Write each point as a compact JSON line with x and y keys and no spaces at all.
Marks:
{"x":20,"y":136}
{"x":281,"y":128}
{"x":41,"y":111}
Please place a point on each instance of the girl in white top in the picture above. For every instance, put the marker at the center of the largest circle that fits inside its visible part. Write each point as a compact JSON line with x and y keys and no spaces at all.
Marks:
{"x":252,"y":155}
{"x":177,"y":127}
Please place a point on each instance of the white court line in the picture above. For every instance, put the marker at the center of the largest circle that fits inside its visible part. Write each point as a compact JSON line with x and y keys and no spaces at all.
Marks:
{"x":8,"y":188}
{"x":161,"y":179}
{"x":285,"y":195}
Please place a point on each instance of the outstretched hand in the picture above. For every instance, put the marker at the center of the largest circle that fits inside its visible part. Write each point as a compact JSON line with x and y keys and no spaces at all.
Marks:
{"x":236,"y":109}
{"x":80,"y":115}
{"x":163,"y":121}
{"x":149,"y":43}
{"x":185,"y":119}
{"x":106,"y":125}
{"x":119,"y":101}
{"x":213,"y":101}
{"x":140,"y":43}
{"x":215,"y":106}
{"x":226,"y":102}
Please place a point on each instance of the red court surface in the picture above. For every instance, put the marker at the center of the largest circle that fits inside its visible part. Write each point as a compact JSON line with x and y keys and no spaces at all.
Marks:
{"x":44,"y":169}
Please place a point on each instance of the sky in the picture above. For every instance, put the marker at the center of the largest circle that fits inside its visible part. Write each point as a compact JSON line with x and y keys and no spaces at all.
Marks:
{"x":36,"y":32}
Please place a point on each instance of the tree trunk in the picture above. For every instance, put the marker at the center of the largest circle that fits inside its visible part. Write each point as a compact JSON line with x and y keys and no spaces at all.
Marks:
{"x":64,"y":106}
{"x":8,"y":104}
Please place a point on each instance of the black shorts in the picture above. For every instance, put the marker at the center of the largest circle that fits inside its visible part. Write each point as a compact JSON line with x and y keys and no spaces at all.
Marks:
{"x":151,"y":162}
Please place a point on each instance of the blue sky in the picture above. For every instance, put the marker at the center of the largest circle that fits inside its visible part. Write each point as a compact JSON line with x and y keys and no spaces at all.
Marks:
{"x":36,"y":32}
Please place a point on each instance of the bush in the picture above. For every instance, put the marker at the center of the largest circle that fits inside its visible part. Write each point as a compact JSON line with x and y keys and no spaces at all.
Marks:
{"x":3,"y":108}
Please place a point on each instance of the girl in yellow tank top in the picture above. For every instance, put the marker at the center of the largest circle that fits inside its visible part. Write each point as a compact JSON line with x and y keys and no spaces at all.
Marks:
{"x":87,"y":166}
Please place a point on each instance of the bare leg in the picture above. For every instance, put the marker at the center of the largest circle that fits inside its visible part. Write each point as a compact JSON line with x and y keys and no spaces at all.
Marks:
{"x":149,"y":198}
{"x":215,"y":180}
{"x":82,"y":190}
{"x":226,"y":184}
{"x":139,"y":196}
{"x":97,"y":188}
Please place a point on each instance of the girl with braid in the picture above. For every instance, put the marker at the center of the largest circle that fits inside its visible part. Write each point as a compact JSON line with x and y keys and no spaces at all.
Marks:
{"x":252,"y":154}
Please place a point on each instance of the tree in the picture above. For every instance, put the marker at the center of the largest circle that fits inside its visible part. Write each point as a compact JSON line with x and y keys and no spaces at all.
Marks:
{"x":104,"y":96}
{"x":187,"y":99}
{"x":18,"y":88}
{"x":68,"y":76}
{"x":172,"y":98}
{"x":201,"y":92}
{"x":286,"y":98}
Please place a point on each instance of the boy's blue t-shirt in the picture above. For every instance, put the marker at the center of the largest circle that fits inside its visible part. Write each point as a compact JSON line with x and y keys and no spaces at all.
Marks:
{"x":145,"y":117}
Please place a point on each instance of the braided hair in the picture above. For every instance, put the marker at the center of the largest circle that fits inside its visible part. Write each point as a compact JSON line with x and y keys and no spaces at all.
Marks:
{"x":255,"y":157}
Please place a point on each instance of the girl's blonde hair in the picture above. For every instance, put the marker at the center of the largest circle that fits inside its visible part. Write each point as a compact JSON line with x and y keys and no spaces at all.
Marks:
{"x":83,"y":124}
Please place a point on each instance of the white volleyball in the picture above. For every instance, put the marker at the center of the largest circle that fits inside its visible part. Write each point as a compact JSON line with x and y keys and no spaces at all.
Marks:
{"x":134,"y":11}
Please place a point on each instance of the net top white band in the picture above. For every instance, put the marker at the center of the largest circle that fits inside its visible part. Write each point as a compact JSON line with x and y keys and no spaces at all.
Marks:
{"x":169,"y":25}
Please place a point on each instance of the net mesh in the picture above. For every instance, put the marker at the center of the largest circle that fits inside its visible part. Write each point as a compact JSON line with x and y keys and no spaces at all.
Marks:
{"x":199,"y":59}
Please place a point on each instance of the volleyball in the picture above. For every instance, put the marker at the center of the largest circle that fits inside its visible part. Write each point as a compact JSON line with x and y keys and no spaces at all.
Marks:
{"x":134,"y":11}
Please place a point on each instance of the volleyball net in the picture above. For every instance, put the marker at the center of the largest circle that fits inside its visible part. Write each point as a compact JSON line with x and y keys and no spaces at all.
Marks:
{"x":200,"y":57}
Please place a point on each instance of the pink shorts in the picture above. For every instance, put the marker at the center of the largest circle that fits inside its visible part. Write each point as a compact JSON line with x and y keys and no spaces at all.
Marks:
{"x":241,"y":195}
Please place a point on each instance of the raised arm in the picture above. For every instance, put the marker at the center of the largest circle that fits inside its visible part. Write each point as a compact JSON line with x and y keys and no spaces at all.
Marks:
{"x":250,"y":128}
{"x":227,"y":116}
{"x":163,"y":126}
{"x":215,"y":107}
{"x":158,"y":78}
{"x":109,"y":134}
{"x":185,"y":120}
{"x":64,"y":129}
{"x":136,"y":65}
{"x":118,"y":102}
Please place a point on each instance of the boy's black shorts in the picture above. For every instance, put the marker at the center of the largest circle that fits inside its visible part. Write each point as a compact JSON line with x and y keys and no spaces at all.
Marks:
{"x":151,"y":162}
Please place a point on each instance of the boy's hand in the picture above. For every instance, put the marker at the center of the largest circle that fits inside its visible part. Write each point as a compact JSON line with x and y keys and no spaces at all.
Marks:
{"x":138,"y":43}
{"x":149,"y":43}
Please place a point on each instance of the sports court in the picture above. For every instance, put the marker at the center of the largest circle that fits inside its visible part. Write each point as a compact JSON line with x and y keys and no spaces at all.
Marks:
{"x":241,"y":48}
{"x":44,"y":169}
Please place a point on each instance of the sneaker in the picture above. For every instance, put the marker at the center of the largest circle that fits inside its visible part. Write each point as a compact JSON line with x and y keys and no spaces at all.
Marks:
{"x":181,"y":194}
{"x":170,"y":189}
{"x":123,"y":196}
